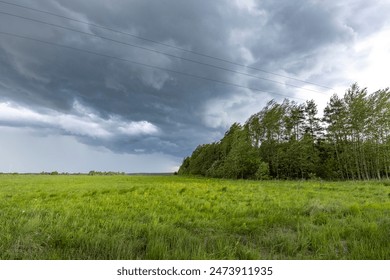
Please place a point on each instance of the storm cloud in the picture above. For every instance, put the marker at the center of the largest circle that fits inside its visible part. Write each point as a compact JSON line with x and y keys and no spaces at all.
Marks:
{"x":131,"y":100}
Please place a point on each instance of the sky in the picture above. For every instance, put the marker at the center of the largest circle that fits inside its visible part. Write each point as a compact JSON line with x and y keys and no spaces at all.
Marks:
{"x":163,"y":77}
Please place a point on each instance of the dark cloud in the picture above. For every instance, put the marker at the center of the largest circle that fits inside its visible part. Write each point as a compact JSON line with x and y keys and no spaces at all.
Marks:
{"x":279,"y":36}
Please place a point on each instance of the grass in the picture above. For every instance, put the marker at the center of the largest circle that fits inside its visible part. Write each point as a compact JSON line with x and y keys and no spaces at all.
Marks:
{"x":171,"y":217}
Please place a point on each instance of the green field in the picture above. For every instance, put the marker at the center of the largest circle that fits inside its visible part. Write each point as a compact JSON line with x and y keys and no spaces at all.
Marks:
{"x":171,"y":217}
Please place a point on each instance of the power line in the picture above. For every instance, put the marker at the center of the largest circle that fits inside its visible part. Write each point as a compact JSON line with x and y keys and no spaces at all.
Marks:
{"x":156,"y":51}
{"x":142,"y":64}
{"x":162,"y":44}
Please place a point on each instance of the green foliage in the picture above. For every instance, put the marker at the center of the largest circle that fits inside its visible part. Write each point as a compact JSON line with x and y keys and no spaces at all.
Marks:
{"x":262,"y":172}
{"x":234,"y":157}
{"x":242,"y":161}
{"x":176,"y":217}
{"x":352,"y":141}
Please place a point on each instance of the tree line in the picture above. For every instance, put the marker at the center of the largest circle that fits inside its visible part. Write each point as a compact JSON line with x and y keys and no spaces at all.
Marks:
{"x":289,"y":141}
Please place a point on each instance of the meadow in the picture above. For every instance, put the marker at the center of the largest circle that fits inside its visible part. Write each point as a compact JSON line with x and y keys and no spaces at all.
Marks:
{"x":173,"y":217}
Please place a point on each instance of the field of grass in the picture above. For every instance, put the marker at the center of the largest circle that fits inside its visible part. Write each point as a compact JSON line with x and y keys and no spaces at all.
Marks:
{"x":171,"y":217}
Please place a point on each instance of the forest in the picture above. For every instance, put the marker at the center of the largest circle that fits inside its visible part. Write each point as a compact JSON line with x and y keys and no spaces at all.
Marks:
{"x":288,"y":140}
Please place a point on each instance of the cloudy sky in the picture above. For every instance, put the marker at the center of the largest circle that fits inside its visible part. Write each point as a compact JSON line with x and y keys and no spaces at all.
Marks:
{"x":75,"y":97}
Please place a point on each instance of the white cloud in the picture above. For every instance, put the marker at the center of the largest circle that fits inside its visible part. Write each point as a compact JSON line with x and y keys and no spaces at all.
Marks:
{"x":247,"y":5}
{"x":365,"y":61}
{"x":222,"y":113}
{"x":14,"y":114}
{"x":136,"y":128}
{"x":373,"y":70}
{"x":83,"y":122}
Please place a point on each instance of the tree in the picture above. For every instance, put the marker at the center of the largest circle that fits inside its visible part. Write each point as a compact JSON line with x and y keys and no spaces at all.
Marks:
{"x":335,"y":114}
{"x":243,"y":159}
{"x":288,"y":141}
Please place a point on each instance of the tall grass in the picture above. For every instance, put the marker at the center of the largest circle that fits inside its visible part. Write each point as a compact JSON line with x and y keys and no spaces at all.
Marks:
{"x":152,"y":217}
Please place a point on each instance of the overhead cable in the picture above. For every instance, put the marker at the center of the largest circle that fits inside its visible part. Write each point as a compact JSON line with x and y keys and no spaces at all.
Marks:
{"x":164,"y":44}
{"x":157,"y":51}
{"x":143,"y":64}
